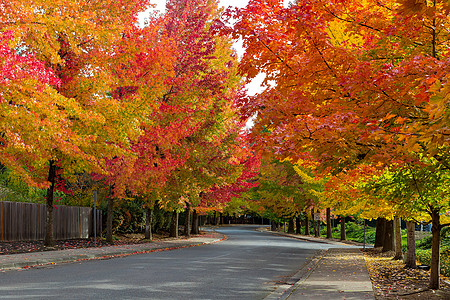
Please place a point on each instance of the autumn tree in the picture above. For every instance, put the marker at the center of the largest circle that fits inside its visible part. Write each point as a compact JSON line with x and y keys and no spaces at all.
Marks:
{"x":186,"y":72}
{"x":279,"y":192}
{"x":228,"y":196}
{"x":72,"y":132}
{"x":417,"y":192}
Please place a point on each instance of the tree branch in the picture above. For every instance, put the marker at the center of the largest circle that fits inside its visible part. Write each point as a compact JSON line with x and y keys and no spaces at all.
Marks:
{"x":275,"y":54}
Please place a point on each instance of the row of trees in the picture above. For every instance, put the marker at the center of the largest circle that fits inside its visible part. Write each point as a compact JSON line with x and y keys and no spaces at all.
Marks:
{"x":91,"y":101}
{"x":356,"y":95}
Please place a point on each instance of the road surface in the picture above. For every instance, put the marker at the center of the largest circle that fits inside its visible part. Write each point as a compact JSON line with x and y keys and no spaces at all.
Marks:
{"x":248,"y":265}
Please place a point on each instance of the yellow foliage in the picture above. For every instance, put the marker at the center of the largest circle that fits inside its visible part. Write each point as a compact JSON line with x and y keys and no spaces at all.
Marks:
{"x":340,"y":36}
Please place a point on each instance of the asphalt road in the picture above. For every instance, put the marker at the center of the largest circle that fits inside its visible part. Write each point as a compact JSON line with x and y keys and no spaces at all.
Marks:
{"x":248,"y":265}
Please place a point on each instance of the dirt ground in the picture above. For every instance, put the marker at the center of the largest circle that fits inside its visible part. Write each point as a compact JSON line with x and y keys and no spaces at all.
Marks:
{"x":391,"y":280}
{"x":37,"y":246}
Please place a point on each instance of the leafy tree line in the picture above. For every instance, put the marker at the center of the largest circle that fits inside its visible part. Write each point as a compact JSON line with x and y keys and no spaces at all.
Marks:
{"x":356,"y":94}
{"x":90,"y":102}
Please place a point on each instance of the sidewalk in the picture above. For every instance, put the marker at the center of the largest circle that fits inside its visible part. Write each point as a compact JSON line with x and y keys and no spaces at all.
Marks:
{"x":341,"y":273}
{"x":35,"y":259}
{"x":337,"y":273}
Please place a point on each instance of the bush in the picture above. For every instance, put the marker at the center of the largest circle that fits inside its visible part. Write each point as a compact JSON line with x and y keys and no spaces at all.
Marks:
{"x":425,"y":243}
{"x":424,"y":257}
{"x":128,"y":216}
{"x":161,"y":219}
{"x":354,"y":232}
{"x":423,"y":251}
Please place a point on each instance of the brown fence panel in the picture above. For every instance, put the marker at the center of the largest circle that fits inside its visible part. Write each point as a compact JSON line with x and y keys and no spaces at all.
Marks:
{"x":58,"y":215}
{"x":41,"y":215}
{"x":11,"y":221}
{"x":26,"y":221}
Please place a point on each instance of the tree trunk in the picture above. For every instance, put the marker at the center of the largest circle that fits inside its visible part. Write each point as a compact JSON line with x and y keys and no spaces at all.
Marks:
{"x":148,"y":223}
{"x":316,"y":233}
{"x":194,"y":229}
{"x":306,"y":223}
{"x":174,"y":225}
{"x":379,"y":233}
{"x":329,"y":236}
{"x":388,"y":243}
{"x":411,"y":245}
{"x":398,"y":239}
{"x":291,"y":225}
{"x":49,"y":240}
{"x":187,"y":220}
{"x":215,"y":219}
{"x":298,"y":225}
{"x":273,"y":226}
{"x":435,"y":250}
{"x":318,"y":228}
{"x":343,"y":234}
{"x":109,"y":219}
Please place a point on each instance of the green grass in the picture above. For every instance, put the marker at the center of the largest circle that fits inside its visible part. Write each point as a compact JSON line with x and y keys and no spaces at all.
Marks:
{"x":354,"y":232}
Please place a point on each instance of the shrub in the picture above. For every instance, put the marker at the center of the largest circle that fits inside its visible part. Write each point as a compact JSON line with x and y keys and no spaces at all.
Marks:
{"x":424,"y":257}
{"x":424,"y":244}
{"x":354,"y":232}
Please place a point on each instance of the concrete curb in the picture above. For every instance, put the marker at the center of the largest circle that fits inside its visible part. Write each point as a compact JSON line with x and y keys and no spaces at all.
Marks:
{"x":315,"y":239}
{"x":284,"y":291}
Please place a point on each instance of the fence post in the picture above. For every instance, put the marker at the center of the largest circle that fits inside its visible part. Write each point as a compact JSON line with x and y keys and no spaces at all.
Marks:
{"x":95,"y":218}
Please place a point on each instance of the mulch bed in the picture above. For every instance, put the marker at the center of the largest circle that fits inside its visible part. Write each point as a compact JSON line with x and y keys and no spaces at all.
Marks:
{"x":391,"y":280}
{"x":38,"y":246}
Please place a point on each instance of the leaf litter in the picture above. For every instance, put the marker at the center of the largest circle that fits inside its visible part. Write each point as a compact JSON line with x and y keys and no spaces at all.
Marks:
{"x":16,"y":247}
{"x":391,"y":280}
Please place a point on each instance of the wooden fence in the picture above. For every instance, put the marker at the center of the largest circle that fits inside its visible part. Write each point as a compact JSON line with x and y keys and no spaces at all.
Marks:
{"x":20,"y":221}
